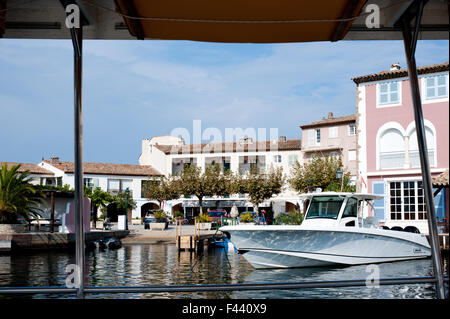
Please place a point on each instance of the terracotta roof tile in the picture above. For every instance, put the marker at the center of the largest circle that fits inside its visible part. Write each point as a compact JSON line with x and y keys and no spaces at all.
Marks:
{"x":107,"y":168}
{"x":232,"y":147}
{"x":330,"y":121}
{"x":442,"y":179}
{"x":32,"y":168}
{"x":385,"y":75}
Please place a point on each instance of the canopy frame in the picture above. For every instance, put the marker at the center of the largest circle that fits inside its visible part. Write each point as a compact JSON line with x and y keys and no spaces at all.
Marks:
{"x":414,"y":12}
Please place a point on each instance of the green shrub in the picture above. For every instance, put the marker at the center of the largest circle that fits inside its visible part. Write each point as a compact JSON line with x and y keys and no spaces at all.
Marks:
{"x":160,"y":215}
{"x":178,"y":214}
{"x":292,"y":218}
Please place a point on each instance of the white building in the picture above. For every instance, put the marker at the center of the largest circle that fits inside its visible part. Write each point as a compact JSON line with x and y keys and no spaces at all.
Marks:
{"x":169,"y":155}
{"x":113,"y":178}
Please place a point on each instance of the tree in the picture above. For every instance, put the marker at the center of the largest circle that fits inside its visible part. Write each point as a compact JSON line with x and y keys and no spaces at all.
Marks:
{"x":166,"y":188}
{"x":18,"y":197}
{"x":98,"y":198}
{"x":124,"y":202}
{"x":261,"y":186}
{"x":320,"y":172}
{"x":211,"y":182}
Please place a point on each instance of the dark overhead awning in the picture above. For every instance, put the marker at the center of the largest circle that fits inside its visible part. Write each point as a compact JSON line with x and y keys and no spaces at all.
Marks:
{"x":253,"y":21}
{"x":256,"y":21}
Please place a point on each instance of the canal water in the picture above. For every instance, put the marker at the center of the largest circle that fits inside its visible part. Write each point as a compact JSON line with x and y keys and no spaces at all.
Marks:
{"x":161,"y":264}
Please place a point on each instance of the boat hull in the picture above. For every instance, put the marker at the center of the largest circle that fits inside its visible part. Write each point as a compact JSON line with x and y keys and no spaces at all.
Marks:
{"x":286,"y":247}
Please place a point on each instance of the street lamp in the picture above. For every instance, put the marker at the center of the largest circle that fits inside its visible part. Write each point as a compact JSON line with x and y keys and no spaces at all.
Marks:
{"x":340,"y":175}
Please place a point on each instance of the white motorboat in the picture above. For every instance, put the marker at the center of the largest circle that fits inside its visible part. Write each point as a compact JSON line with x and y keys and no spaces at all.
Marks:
{"x":334,"y":232}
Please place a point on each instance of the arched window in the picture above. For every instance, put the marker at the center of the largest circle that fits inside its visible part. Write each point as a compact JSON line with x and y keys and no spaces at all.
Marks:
{"x":392,"y":149}
{"x":414,"y":148}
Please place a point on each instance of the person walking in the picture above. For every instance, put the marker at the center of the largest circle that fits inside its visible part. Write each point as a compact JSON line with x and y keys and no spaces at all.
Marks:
{"x":263,"y":217}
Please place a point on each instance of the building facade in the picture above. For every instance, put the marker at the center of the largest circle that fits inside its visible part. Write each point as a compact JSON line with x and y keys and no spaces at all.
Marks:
{"x":388,"y":156}
{"x":112,"y":178}
{"x":169,"y":155}
{"x":332,"y":136}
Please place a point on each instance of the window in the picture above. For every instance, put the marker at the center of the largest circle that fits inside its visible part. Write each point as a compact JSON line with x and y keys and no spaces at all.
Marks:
{"x":311,"y":137}
{"x":351,"y":209}
{"x":436,"y":87}
{"x":248,"y":163}
{"x":406,"y":200}
{"x":179,"y":164}
{"x":116,"y":186}
{"x":392,"y":149}
{"x":223,"y":162}
{"x":352,"y":155}
{"x":396,"y":200}
{"x":91,"y":182}
{"x":277,"y":158}
{"x":317,"y":137}
{"x":352,"y":129}
{"x":414,"y":156}
{"x":389,"y":93}
{"x":292,"y":159}
{"x":325,"y":207}
{"x":335,"y":155}
{"x":333,"y":132}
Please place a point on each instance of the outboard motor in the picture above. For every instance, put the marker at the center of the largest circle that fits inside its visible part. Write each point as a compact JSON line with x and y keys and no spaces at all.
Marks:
{"x":101,"y":244}
{"x":113,"y":243}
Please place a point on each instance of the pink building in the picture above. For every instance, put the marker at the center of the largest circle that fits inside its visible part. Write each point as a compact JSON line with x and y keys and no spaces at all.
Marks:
{"x":388,"y":156}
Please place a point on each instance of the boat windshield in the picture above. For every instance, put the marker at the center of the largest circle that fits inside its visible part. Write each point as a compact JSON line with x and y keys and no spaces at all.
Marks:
{"x":325,"y":207}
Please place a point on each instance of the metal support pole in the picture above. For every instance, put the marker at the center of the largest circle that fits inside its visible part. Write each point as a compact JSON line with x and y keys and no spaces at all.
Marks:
{"x":77,"y":40}
{"x":420,"y":130}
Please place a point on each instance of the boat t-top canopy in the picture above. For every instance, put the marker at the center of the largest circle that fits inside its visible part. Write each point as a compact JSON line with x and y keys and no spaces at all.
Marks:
{"x":359,"y":196}
{"x":232,"y":21}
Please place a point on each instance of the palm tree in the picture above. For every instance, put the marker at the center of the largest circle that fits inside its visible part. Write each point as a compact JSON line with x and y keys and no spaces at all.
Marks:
{"x":18,"y":197}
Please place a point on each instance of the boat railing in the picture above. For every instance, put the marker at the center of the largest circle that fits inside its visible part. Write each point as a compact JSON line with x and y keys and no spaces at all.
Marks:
{"x":216,"y":287}
{"x":224,"y":221}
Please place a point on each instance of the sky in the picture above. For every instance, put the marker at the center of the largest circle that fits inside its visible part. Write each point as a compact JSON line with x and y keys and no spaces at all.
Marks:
{"x":138,"y":89}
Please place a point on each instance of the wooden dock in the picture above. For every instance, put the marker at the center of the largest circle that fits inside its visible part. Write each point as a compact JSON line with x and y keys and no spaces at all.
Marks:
{"x":193,"y":242}
{"x":5,"y":244}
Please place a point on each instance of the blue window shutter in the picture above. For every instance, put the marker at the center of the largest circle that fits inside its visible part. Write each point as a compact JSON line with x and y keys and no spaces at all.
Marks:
{"x":439,"y":203}
{"x":378,"y":204}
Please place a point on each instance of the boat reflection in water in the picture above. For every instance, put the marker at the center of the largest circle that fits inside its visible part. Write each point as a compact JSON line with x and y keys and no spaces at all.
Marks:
{"x":334,"y":232}
{"x":410,"y":268}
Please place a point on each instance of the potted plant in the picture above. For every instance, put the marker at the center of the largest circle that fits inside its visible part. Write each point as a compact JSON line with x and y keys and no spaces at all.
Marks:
{"x":161,"y":221}
{"x":19,"y":199}
{"x":205,"y":222}
{"x":136,"y":221}
{"x":246,"y":218}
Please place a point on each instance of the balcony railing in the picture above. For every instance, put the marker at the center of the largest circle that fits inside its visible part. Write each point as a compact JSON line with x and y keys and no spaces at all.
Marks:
{"x":392,"y":160}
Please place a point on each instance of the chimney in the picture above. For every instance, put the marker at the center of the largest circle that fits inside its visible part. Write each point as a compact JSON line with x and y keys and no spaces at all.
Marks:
{"x":395,"y":66}
{"x":246,"y":140}
{"x":54,"y":160}
{"x":282,"y":138}
{"x":330,"y":115}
